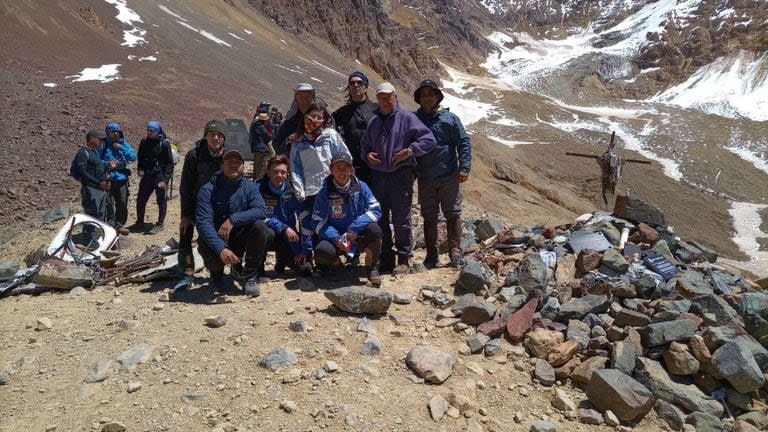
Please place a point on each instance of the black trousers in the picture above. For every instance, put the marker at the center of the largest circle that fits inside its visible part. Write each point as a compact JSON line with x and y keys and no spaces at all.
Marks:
{"x":327,"y":252}
{"x":117,"y":204}
{"x":249,"y":242}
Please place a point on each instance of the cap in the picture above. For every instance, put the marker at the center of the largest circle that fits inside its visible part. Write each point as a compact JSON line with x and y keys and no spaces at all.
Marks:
{"x":304,"y":87}
{"x":154,"y":126}
{"x":95,"y":133}
{"x":431,"y":84}
{"x":216,"y":125}
{"x":341,"y":157}
{"x":359,"y":75}
{"x":233,"y":153}
{"x":385,"y":87}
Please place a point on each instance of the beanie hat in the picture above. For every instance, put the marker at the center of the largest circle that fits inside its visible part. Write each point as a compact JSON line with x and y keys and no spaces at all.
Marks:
{"x":216,"y":125}
{"x":359,"y":75}
{"x":431,"y":84}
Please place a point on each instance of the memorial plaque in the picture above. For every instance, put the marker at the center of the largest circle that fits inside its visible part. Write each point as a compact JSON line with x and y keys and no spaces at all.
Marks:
{"x":237,"y":138}
{"x":581,"y":240}
{"x":660,"y":264}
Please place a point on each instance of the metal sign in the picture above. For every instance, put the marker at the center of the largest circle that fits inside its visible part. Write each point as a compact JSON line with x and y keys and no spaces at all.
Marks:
{"x":581,"y":240}
{"x":237,"y":138}
{"x":660,"y":264}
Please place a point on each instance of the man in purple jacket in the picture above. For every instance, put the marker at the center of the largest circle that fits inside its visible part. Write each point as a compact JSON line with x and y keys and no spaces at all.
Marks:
{"x":394,"y":139}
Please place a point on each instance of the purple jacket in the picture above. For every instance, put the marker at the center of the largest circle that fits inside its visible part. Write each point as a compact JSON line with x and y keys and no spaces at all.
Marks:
{"x":386,"y":135}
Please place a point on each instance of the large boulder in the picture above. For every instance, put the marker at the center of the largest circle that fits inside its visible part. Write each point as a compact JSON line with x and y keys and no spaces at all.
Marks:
{"x":430,"y":363}
{"x":577,"y":308}
{"x":541,"y":341}
{"x":737,"y":365}
{"x":637,"y":210}
{"x":360,"y":299}
{"x":611,"y":389}
{"x":472,"y":277}
{"x":532,"y":274}
{"x":651,"y":374}
{"x":693,"y":283}
{"x":664,"y":332}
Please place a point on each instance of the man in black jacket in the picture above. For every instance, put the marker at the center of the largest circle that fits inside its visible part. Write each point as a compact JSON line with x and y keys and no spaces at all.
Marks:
{"x":352,"y":120}
{"x":200,"y":164}
{"x":93,"y":179}
{"x":155,"y":165}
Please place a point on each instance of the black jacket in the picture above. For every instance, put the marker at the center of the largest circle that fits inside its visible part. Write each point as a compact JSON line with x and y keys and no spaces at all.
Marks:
{"x":199,"y":167}
{"x":90,"y":166}
{"x":259,"y":138}
{"x":155,"y":157}
{"x":351,"y":122}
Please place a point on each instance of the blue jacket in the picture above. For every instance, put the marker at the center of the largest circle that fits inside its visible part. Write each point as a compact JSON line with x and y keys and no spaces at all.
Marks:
{"x":336,"y":213}
{"x":453,"y":152}
{"x":311,"y":161}
{"x":281,"y":211}
{"x":388,"y":134}
{"x":124,"y":155}
{"x":222,"y":199}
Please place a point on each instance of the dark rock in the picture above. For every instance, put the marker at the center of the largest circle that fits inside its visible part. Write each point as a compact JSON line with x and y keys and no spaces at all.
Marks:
{"x":472,"y":277}
{"x":478,"y":312}
{"x":583,"y":372}
{"x":532,"y":275}
{"x":55,"y":213}
{"x":669,"y":331}
{"x":737,"y":365}
{"x":590,"y":416}
{"x":494,"y":327}
{"x":615,"y":260}
{"x":544,"y":372}
{"x":443,"y":300}
{"x":646,"y":285}
{"x":577,"y":308}
{"x":462,"y":302}
{"x":607,"y":228}
{"x":431,"y":364}
{"x":704,"y":422}
{"x":692,"y":284}
{"x":521,"y":321}
{"x":637,"y":210}
{"x":651,"y":374}
{"x":623,"y":357}
{"x":756,"y":302}
{"x":628,"y":317}
{"x":758,"y":351}
{"x":488,"y":228}
{"x":714,"y":304}
{"x":476,"y":342}
{"x":708,"y":254}
{"x":715,"y":337}
{"x":578,"y":331}
{"x":672,"y":415}
{"x":492,"y":348}
{"x":612,"y":389}
{"x":588,"y":260}
{"x":360,"y":300}
{"x":542,"y":426}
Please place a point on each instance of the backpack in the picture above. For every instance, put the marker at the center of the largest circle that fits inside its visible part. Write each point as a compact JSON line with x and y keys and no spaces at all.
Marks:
{"x":74,"y":171}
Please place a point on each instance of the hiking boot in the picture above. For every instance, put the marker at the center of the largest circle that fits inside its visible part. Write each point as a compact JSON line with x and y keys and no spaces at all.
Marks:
{"x":374,"y":278}
{"x":216,"y":282}
{"x":430,"y":238}
{"x":402,"y":267}
{"x":430,"y":261}
{"x":251,"y":286}
{"x":386,"y":263}
{"x":156,"y":229}
{"x":138,"y":227}
{"x":305,"y":269}
{"x":183,"y":284}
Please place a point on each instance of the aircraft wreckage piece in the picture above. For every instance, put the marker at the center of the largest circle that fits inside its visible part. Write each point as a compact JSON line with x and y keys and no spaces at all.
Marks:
{"x":67,"y":245}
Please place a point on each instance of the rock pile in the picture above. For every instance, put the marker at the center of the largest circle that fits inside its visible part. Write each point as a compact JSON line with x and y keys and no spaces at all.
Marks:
{"x":624,"y":309}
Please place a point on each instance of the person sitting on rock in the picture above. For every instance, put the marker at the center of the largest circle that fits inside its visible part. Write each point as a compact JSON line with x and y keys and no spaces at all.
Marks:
{"x":155,"y":169}
{"x":346,"y":215}
{"x":230,"y":217}
{"x":115,"y":155}
{"x":292,"y":249}
{"x":312,"y":152}
{"x":441,"y":172}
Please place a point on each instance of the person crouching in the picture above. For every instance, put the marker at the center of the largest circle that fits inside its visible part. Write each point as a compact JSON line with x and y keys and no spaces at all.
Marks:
{"x":292,"y":249}
{"x":230,"y":217}
{"x":346,"y":215}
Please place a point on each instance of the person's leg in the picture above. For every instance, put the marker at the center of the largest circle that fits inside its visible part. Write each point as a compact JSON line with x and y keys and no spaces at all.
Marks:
{"x":428,"y":201}
{"x":326,"y":253}
{"x":119,"y":193}
{"x":162,"y":201}
{"x":381,"y":187}
{"x":212,"y":262}
{"x":451,"y":199}
{"x":146,"y":186}
{"x":402,"y":199}
{"x":370,"y":242}
{"x":186,"y":259}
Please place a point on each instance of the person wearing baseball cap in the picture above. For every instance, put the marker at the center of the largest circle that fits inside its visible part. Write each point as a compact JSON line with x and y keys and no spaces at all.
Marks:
{"x":304,"y":95}
{"x":394,"y":139}
{"x":200,"y":164}
{"x":352,"y":120}
{"x":230,"y":217}
{"x":346,"y":216}
{"x":441,"y":172}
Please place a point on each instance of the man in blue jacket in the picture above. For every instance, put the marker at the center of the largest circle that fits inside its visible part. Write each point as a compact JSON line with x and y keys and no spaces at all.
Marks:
{"x":346,"y":215}
{"x":230,"y":217}
{"x":116,"y":154}
{"x":394,"y":139}
{"x":292,"y":249}
{"x":441,"y":171}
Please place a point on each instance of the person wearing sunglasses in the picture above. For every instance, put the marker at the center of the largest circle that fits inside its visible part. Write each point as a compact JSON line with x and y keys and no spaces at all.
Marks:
{"x":352,"y":120}
{"x":312,"y":152}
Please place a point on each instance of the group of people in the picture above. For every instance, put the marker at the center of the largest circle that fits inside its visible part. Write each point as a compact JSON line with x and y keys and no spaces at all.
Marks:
{"x":101,"y":166}
{"x":327,"y":189}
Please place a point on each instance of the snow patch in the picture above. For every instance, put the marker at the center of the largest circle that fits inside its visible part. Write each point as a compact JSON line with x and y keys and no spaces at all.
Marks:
{"x":171,"y":13}
{"x":746,"y":222}
{"x":469,"y":111}
{"x":104,"y":74}
{"x":51,"y":85}
{"x":732,"y":86}
{"x":315,"y":79}
{"x":248,"y":31}
{"x":509,"y":143}
{"x":205,"y":33}
{"x":148,"y":58}
{"x":235,"y":36}
{"x":136,"y":35}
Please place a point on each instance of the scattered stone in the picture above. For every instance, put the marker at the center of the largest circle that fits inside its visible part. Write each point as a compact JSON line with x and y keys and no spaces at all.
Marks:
{"x":360,"y":299}
{"x":331,"y":366}
{"x":134,"y":356}
{"x":692,"y":283}
{"x":488,"y":228}
{"x":133,"y":386}
{"x":522,"y":320}
{"x":612,"y":389}
{"x":113,"y":426}
{"x":610,"y":418}
{"x":672,"y":415}
{"x":294,"y":375}
{"x":158,"y":307}
{"x":8,"y":269}
{"x":562,"y":402}
{"x":431,"y":364}
{"x":472,"y":277}
{"x":562,"y":353}
{"x":577,"y":308}
{"x":738,"y":366}
{"x":478,"y":312}
{"x":278,"y":358}
{"x":590,"y":416}
{"x":494,"y":327}
{"x":298,"y":326}
{"x":704,"y":422}
{"x":215,"y":321}
{"x":662,"y":333}
{"x":371,"y":346}
{"x":447,"y":322}
{"x":288,"y":406}
{"x":437,"y":407}
{"x":540,"y":426}
{"x":476,"y":342}
{"x":615,"y":260}
{"x":623,"y":357}
{"x":78,"y":291}
{"x":127,"y":324}
{"x":366,"y":326}
{"x":588,"y":260}
{"x":492,"y":348}
{"x":583,"y":372}
{"x":532,"y":274}
{"x":402,"y":299}
{"x":578,"y":331}
{"x":44,"y":323}
{"x":636,"y":210}
{"x":679,"y":361}
{"x":544,"y":372}
{"x":628,"y":317}
{"x":652,"y":375}
{"x":541,"y":341}
{"x":442,"y":300}
{"x":742,"y":426}
{"x":101,"y":371}
{"x":566,"y":269}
